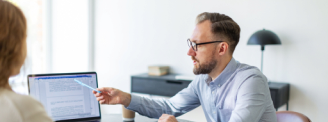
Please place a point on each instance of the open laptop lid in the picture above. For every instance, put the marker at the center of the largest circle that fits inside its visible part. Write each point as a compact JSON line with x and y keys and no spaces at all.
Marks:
{"x":63,"y":98}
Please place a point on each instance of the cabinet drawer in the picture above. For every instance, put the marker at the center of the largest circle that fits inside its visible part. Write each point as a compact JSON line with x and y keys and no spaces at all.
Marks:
{"x":157,"y":86}
{"x":274,"y":98}
{"x":279,"y":94}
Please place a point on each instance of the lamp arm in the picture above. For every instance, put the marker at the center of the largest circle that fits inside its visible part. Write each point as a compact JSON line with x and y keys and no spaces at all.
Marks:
{"x":262,"y":50}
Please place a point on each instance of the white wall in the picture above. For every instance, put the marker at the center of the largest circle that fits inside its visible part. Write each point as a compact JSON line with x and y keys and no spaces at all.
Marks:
{"x":130,"y":35}
{"x":69,"y":35}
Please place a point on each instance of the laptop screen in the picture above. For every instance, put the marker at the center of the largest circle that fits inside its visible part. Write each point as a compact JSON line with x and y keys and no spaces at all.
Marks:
{"x":63,"y":98}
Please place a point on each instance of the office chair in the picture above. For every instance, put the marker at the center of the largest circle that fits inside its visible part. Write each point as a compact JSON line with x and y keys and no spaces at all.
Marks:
{"x":291,"y":116}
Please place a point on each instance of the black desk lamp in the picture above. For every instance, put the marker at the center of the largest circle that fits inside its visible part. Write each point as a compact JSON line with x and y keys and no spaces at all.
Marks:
{"x":263,"y":37}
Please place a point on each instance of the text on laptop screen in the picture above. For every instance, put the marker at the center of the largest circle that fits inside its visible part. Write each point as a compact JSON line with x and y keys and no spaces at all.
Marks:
{"x":63,"y":98}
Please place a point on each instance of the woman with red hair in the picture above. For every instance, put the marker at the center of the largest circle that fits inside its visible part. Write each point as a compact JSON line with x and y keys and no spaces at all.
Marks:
{"x":15,"y":107}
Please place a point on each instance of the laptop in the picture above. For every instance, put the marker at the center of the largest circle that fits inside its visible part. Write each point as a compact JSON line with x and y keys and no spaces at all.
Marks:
{"x":64,"y":99}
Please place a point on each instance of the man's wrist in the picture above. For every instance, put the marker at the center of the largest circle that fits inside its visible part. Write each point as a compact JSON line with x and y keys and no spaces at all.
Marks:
{"x":126,"y":99}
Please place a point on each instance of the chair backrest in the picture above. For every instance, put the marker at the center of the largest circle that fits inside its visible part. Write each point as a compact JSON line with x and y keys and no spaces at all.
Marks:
{"x":291,"y":116}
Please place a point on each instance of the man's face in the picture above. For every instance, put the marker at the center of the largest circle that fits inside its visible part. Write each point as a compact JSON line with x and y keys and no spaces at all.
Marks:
{"x":204,"y":59}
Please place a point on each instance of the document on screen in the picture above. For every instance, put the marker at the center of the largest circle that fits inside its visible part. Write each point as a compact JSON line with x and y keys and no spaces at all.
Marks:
{"x":64,"y":98}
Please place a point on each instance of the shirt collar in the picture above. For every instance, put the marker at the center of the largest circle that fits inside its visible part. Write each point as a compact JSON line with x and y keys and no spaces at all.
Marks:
{"x":225,"y":74}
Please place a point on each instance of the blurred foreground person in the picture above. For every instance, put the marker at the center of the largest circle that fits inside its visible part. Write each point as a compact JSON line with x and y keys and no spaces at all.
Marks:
{"x":15,"y":107}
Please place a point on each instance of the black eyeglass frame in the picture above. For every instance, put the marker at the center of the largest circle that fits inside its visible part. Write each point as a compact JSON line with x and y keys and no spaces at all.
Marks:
{"x":190,"y":44}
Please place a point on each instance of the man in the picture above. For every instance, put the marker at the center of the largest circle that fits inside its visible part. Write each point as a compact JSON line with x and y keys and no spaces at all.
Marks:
{"x":226,"y":89}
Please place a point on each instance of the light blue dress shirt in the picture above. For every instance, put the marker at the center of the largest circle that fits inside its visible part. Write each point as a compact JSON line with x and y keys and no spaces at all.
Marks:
{"x":239,"y":94}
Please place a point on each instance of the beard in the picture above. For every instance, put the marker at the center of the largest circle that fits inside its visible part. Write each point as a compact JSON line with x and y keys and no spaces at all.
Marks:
{"x":204,"y":68}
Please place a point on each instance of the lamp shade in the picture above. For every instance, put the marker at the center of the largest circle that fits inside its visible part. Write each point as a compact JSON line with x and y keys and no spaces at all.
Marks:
{"x":264,"y":37}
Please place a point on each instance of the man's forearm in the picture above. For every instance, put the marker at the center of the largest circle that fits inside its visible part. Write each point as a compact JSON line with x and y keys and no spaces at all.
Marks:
{"x":177,"y":105}
{"x":152,"y":108}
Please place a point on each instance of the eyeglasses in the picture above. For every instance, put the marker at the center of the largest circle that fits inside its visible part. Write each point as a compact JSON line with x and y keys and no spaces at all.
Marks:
{"x":194,"y":45}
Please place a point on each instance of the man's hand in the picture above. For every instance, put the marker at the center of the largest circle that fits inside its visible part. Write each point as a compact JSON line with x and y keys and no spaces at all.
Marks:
{"x":112,"y":96}
{"x":167,"y":118}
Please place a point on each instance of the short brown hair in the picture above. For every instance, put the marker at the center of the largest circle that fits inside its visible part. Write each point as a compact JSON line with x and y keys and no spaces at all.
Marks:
{"x":12,"y":36}
{"x":222,"y":25}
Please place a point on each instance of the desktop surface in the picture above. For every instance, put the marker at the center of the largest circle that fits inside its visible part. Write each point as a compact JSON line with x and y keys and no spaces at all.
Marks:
{"x":138,"y":118}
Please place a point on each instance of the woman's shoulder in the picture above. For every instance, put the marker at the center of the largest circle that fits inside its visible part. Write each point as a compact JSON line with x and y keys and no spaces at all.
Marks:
{"x":21,"y":101}
{"x":9,"y":111}
{"x":29,"y":108}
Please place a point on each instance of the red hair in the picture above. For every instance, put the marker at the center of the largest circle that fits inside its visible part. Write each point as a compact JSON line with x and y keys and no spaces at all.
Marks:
{"x":12,"y":38}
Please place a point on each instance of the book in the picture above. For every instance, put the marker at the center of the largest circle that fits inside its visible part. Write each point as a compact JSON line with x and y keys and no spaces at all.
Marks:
{"x":158,"y":70}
